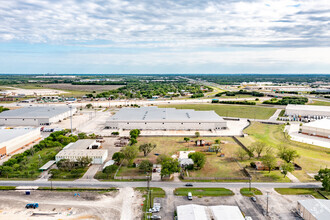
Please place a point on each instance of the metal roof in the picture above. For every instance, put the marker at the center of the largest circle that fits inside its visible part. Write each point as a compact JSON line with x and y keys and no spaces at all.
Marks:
{"x":191,"y":212}
{"x":319,"y":124}
{"x":165,"y":114}
{"x":81,"y":153}
{"x":319,"y":208}
{"x":47,"y":165}
{"x":308,"y":107}
{"x":9,"y":134}
{"x":36,"y":112}
{"x":82,"y":144}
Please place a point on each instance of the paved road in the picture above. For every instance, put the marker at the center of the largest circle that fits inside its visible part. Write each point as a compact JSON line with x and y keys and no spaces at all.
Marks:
{"x":156,"y":184}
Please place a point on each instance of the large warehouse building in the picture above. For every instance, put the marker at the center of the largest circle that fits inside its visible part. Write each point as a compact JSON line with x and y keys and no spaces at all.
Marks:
{"x":314,"y":209}
{"x":320,"y":128}
{"x":153,"y":118}
{"x":12,"y":140}
{"x":83,"y":148}
{"x":35,"y":116}
{"x":308,"y":111}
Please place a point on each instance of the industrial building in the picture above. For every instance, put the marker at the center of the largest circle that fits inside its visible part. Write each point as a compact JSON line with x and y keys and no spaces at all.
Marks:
{"x":199,"y":212}
{"x":83,"y":148}
{"x":314,"y":209}
{"x":12,"y":140}
{"x":35,"y":116}
{"x":320,"y":128}
{"x":154,"y":118}
{"x":307,"y":111}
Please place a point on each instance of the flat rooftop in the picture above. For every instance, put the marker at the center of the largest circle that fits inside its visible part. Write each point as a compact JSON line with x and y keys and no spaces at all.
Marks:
{"x":308,"y":107}
{"x":80,"y":144}
{"x":319,"y":208}
{"x":9,"y":134}
{"x":164,"y":114}
{"x":35,"y":112}
{"x":82,"y":153}
{"x":319,"y":124}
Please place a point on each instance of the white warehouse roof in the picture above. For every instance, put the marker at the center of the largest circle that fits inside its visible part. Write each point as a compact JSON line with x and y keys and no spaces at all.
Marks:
{"x":9,"y":134}
{"x":307,"y":110}
{"x":319,"y":124}
{"x":199,"y":212}
{"x":36,"y":112}
{"x":165,"y":114}
{"x":319,"y":208}
{"x":82,"y":144}
{"x":81,"y":153}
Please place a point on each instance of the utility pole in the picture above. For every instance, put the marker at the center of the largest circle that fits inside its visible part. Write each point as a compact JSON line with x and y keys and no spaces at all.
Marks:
{"x":267,"y":204}
{"x":70,"y":106}
{"x":250,"y":183}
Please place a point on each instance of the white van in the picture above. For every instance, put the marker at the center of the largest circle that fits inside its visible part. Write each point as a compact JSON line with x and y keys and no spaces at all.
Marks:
{"x":189,"y":196}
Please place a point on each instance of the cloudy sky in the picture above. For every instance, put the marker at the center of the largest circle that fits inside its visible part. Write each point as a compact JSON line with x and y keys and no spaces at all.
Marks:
{"x":164,"y":36}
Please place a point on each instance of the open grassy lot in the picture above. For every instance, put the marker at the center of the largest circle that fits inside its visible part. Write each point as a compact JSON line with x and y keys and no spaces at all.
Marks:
{"x":224,"y":110}
{"x":130,"y":171}
{"x":200,"y":192}
{"x":247,"y":192}
{"x":265,"y":176}
{"x":302,"y":191}
{"x":316,"y":102}
{"x":312,"y":158}
{"x":215,"y":166}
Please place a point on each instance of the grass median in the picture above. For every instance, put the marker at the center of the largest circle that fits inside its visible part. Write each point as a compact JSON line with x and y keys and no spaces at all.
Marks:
{"x":200,"y":192}
{"x":250,"y":193}
{"x":303,"y":191}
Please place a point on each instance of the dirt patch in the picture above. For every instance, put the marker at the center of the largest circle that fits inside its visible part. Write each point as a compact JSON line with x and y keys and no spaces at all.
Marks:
{"x":67,"y":86}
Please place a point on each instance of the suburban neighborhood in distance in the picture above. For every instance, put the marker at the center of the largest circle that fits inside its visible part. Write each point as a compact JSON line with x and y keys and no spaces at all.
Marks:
{"x":165,"y":110}
{"x":165,"y":146}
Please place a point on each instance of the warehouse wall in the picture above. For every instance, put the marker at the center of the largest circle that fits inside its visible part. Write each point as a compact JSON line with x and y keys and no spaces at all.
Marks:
{"x":168,"y":125}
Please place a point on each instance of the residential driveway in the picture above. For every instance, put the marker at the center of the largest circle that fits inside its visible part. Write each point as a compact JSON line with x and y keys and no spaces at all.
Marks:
{"x":90,"y":173}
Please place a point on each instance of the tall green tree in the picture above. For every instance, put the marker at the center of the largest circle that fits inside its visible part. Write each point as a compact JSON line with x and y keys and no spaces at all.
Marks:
{"x":130,"y":152}
{"x":287,"y":167}
{"x":145,"y":166}
{"x":118,"y":157}
{"x":269,"y":161}
{"x":169,"y":166}
{"x":110,"y":170}
{"x":198,"y":158}
{"x":259,"y":147}
{"x":287,"y":154}
{"x":147,"y":148}
{"x":324,"y":176}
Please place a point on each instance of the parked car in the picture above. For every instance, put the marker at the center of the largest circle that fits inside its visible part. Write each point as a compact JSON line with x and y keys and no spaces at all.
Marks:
{"x":32,"y":205}
{"x":189,"y":196}
{"x":189,"y":184}
{"x":253,"y":199}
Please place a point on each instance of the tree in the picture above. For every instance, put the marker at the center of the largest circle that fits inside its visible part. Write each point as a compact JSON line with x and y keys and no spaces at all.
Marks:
{"x":132,"y":141}
{"x":118,"y":157}
{"x":269,"y":161}
{"x":145,"y":166}
{"x":110,"y":170}
{"x":251,"y":149}
{"x":186,"y":139}
{"x":147,"y":148}
{"x":198,"y":158}
{"x":89,"y":105}
{"x":84,"y":161}
{"x":169,"y":166}
{"x":287,"y":154}
{"x":218,"y":141}
{"x":130,"y":152}
{"x":324,"y":176}
{"x":241,"y":153}
{"x":134,"y":133}
{"x":287,"y":167}
{"x":197,"y":134}
{"x":82,"y":135}
{"x":259,"y":147}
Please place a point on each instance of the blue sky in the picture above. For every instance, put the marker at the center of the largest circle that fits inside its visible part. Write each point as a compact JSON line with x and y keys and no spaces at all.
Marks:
{"x":164,"y":36}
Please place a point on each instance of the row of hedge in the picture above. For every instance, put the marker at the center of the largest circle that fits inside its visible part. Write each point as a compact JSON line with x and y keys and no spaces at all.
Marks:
{"x":234,"y":102}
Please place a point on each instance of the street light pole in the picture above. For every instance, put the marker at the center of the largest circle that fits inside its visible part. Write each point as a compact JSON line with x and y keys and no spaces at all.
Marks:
{"x":267,"y":204}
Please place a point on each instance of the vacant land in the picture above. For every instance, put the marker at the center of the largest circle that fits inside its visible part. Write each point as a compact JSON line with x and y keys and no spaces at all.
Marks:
{"x":302,"y":191}
{"x":311,"y":159}
{"x":316,"y":102}
{"x":130,"y":171}
{"x":253,"y":112}
{"x":86,"y":88}
{"x":203,"y":192}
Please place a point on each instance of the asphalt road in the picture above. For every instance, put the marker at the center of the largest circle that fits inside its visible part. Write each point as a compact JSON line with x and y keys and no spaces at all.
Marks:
{"x":120,"y":184}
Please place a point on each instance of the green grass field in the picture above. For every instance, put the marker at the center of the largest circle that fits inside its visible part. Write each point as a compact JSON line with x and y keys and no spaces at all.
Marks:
{"x":312,"y":158}
{"x":224,"y":110}
{"x":200,"y":192}
{"x":247,"y":192}
{"x":316,"y":102}
{"x":302,"y":191}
